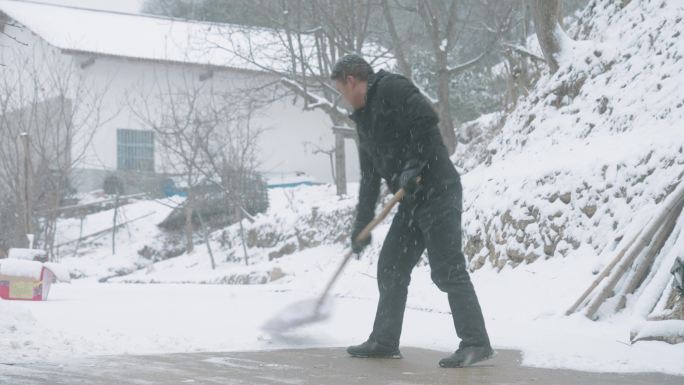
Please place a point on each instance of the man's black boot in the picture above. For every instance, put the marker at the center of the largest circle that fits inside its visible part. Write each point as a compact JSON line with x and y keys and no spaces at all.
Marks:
{"x":467,"y":356}
{"x":372,"y":349}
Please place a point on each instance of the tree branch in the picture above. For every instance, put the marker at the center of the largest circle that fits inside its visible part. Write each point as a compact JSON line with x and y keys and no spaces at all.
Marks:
{"x":404,"y":66}
{"x":457,"y":69}
{"x":523,"y":51}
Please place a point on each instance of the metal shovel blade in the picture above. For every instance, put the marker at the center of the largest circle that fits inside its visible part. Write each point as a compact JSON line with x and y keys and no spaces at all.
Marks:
{"x":298,"y":314}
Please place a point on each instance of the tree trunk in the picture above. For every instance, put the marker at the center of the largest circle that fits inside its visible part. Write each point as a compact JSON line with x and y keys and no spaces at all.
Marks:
{"x":340,"y":164}
{"x":50,"y":221}
{"x":189,"y":245}
{"x":238,"y":212}
{"x":205,"y":233}
{"x":397,"y":46}
{"x":549,"y":32}
{"x":442,"y":36}
{"x":446,"y":120}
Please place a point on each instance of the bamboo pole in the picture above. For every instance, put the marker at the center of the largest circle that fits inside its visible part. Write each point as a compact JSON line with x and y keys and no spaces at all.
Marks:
{"x":653,"y":250}
{"x":606,"y":271}
{"x":642,"y":242}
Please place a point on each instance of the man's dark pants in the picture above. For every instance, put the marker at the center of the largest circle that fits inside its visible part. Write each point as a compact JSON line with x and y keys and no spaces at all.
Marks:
{"x":433,"y":221}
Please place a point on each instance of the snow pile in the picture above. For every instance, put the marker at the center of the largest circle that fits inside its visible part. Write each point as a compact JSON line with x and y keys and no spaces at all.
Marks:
{"x":588,"y":155}
{"x":670,"y":330}
{"x":10,"y":320}
{"x":61,"y":273}
{"x":21,"y":268}
{"x":26,"y":254}
{"x":21,"y":336}
{"x":32,"y":269}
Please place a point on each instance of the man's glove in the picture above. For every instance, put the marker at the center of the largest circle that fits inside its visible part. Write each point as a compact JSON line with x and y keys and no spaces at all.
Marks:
{"x":408,"y":179}
{"x":357,"y":246}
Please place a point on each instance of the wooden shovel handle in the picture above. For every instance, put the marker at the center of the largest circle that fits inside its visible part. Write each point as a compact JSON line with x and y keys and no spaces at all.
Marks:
{"x":366,"y":232}
{"x":363,"y":235}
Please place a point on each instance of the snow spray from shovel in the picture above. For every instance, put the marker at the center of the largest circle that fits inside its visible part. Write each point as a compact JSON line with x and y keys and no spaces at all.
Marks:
{"x":318,"y":309}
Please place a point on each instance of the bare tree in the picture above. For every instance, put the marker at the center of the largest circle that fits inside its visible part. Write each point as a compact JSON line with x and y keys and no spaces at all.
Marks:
{"x":175,"y":113}
{"x":310,"y":37}
{"x":547,"y":17}
{"x":205,"y":129}
{"x":425,"y":37}
{"x":318,"y":149}
{"x":510,"y":22}
{"x":43,"y":97}
{"x":443,"y":23}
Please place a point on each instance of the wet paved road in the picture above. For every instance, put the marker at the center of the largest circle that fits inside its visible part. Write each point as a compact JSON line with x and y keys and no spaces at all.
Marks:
{"x":303,"y":366}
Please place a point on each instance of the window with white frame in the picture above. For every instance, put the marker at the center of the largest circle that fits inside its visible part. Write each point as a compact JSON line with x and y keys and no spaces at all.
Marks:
{"x":135,"y":150}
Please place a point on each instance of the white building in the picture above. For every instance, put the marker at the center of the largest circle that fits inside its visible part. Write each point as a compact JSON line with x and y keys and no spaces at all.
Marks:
{"x":123,"y":57}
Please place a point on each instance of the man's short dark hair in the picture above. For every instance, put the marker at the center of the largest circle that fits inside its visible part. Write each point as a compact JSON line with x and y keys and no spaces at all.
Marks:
{"x":351,"y":65}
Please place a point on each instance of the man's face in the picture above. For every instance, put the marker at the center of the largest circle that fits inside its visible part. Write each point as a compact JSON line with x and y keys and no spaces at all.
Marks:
{"x":352,"y":90}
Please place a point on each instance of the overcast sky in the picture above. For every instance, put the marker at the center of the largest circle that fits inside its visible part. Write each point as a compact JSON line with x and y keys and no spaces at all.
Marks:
{"x":132,"y":6}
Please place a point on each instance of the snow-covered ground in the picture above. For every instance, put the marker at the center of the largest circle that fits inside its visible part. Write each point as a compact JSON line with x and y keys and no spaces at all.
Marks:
{"x":522,"y":306}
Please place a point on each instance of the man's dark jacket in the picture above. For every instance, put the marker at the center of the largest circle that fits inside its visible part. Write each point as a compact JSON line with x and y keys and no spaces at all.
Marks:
{"x":398,"y":130}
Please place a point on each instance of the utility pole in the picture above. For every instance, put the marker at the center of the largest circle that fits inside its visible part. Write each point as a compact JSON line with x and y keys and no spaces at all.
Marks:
{"x":24,"y":136}
{"x":116,"y":212}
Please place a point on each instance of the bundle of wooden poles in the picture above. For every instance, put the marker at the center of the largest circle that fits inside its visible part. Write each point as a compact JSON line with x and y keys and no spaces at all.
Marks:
{"x":633,"y":262}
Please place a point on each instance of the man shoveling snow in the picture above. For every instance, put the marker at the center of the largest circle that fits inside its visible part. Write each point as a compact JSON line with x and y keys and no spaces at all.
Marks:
{"x":399,"y":141}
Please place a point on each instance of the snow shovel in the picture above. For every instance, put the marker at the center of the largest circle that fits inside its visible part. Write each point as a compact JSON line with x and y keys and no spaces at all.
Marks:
{"x":318,"y":309}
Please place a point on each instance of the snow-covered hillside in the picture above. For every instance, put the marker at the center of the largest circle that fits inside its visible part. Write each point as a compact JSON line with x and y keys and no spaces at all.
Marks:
{"x":593,"y":149}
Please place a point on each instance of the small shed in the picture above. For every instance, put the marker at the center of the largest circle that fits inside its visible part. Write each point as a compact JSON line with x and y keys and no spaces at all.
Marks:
{"x":28,"y":280}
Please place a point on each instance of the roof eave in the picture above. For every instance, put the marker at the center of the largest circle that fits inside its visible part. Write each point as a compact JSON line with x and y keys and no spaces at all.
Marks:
{"x":71,"y":51}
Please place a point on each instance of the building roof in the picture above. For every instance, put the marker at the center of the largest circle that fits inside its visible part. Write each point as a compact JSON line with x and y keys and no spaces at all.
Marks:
{"x":147,"y":37}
